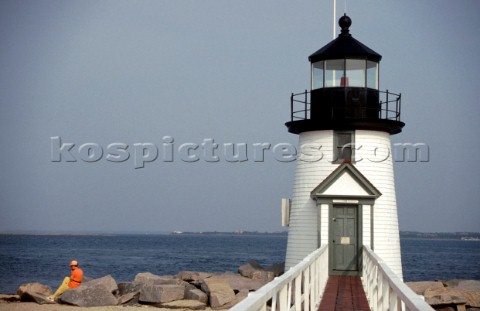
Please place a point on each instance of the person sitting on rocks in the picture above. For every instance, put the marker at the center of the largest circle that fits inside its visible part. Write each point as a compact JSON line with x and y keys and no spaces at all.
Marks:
{"x":73,"y":281}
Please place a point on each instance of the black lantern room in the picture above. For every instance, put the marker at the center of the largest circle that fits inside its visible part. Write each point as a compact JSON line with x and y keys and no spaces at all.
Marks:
{"x":344,"y":92}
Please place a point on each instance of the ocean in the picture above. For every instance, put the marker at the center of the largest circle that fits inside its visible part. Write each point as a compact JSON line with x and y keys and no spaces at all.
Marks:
{"x":45,"y":258}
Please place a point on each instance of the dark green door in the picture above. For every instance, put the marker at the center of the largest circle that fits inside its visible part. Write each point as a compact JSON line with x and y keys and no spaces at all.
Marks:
{"x":344,"y":238}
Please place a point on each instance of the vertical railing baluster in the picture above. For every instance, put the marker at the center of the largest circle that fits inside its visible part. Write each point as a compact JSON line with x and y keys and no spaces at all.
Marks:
{"x":274,"y":302}
{"x":399,"y":105}
{"x":297,"y":296}
{"x":291,"y":107}
{"x":386,"y":111}
{"x":283,"y":298}
{"x":305,"y":104}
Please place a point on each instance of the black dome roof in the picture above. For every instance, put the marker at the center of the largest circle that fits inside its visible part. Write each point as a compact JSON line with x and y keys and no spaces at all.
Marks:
{"x":345,"y":46}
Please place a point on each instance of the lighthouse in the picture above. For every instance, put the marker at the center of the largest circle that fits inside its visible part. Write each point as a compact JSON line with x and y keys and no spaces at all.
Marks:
{"x":344,"y":192}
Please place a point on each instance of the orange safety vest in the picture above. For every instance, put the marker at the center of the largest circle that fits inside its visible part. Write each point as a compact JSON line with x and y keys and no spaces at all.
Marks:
{"x":75,"y":278}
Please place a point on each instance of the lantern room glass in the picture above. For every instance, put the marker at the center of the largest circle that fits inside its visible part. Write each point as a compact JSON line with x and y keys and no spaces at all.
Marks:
{"x":345,"y":73}
{"x":334,"y":71}
{"x":355,"y":73}
{"x":317,"y":75}
{"x":372,"y":75}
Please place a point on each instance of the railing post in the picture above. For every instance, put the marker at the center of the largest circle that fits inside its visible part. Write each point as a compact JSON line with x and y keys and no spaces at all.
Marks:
{"x":291,"y":107}
{"x":399,"y":106}
{"x":386,"y":111}
{"x":305,"y":104}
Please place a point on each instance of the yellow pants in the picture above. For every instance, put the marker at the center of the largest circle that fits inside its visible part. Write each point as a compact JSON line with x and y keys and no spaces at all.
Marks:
{"x":63,"y":288}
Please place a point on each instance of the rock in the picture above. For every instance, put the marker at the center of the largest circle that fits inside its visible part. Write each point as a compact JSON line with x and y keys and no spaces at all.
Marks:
{"x":193,"y":277}
{"x":9,"y":298}
{"x":128,"y":287}
{"x":249,"y":268}
{"x":184,"y":304}
{"x":278,"y":269}
{"x":219,"y":291}
{"x":238,"y":297}
{"x":36,"y":297}
{"x":468,"y":285}
{"x":161,"y":293}
{"x":442,"y":296}
{"x":196,"y":294}
{"x":420,"y":287}
{"x":473,"y":298}
{"x":89,"y":295}
{"x":238,"y":282}
{"x":127,"y":297}
{"x":255,"y":271}
{"x":448,"y":295}
{"x":148,"y":278}
{"x":33,"y":288}
{"x":107,"y":281}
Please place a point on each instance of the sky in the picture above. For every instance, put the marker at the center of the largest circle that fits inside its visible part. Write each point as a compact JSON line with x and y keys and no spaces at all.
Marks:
{"x":121,"y":116}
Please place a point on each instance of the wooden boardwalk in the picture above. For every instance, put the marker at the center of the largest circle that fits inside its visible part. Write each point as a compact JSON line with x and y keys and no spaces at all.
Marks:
{"x":344,"y":293}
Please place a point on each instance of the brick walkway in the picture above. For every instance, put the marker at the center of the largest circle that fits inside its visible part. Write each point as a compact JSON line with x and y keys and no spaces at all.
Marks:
{"x":344,"y":293}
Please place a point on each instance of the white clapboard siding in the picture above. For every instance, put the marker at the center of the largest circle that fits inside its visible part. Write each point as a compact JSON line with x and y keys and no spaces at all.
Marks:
{"x":309,"y":224}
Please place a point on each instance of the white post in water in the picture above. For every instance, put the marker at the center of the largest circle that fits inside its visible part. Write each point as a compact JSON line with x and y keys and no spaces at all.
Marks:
{"x":344,"y":192}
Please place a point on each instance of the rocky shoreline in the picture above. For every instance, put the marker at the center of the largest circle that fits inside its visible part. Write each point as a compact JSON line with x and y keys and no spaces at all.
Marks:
{"x":188,"y":290}
{"x":452,"y":295}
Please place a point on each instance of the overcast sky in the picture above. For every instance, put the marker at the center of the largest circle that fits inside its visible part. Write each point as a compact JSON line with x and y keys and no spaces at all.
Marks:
{"x":90,"y":89}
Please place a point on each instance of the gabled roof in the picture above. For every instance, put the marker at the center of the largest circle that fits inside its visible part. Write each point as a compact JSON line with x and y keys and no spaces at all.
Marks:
{"x":345,"y":181}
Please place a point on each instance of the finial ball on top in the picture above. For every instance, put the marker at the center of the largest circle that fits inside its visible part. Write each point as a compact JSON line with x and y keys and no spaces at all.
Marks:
{"x":345,"y":22}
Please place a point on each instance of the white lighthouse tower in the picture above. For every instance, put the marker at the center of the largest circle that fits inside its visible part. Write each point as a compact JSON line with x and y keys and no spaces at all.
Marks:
{"x":344,"y":192}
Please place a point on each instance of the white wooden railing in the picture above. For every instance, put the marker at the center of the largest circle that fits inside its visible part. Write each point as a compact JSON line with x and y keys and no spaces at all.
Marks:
{"x":384,"y":289}
{"x":300,"y":288}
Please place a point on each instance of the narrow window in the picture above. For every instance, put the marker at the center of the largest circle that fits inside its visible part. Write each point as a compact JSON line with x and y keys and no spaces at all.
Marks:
{"x":343,"y":146}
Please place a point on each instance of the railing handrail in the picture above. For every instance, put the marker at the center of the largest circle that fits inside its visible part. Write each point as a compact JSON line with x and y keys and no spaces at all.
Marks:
{"x":257,"y":300}
{"x":386,"y":113}
{"x":398,"y":290}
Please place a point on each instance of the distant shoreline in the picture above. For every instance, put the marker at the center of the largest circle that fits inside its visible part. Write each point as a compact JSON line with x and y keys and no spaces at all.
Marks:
{"x":467,"y":236}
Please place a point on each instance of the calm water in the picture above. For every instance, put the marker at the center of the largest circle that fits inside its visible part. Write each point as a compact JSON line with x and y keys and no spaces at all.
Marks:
{"x":427,"y":260}
{"x":43,"y":258}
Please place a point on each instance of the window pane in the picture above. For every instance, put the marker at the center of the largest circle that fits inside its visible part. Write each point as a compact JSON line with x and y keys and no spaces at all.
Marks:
{"x":372,"y":75}
{"x":344,"y":146}
{"x":345,"y":153}
{"x":317,"y":75}
{"x":334,"y":70}
{"x":355,"y":73}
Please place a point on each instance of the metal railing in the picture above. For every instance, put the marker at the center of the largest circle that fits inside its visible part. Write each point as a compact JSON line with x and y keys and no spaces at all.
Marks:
{"x":300,"y":288}
{"x":384,"y":289}
{"x":302,"y":101}
{"x":389,"y":106}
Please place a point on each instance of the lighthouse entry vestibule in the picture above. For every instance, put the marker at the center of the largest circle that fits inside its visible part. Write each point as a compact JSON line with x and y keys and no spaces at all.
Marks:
{"x":345,"y":202}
